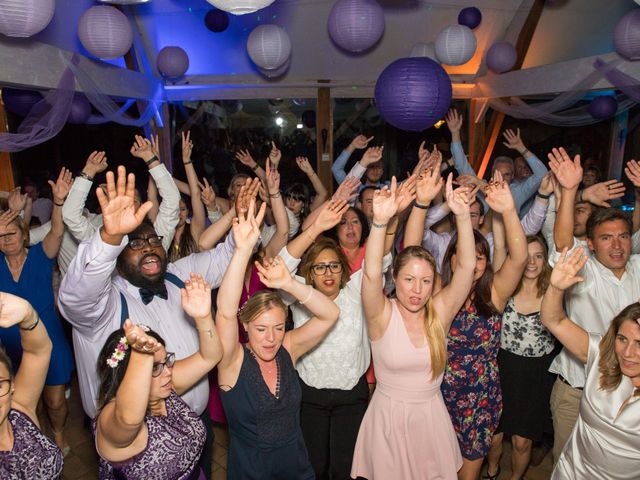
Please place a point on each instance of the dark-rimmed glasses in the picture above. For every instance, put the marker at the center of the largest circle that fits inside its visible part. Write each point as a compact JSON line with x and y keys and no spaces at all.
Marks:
{"x":321,"y":268}
{"x":5,"y":387}
{"x":139,"y":243}
{"x":158,"y":367}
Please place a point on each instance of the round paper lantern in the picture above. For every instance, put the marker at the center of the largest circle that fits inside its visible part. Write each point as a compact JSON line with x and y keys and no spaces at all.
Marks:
{"x":603,"y":107}
{"x":455,"y":45}
{"x":20,"y":101}
{"x":501,"y":57}
{"x":172,"y":62}
{"x":105,"y":32}
{"x":356,"y":25}
{"x":240,"y":7}
{"x":269,"y":46}
{"x":626,"y":36}
{"x":424,"y":50}
{"x":309,"y":118}
{"x":24,"y":18}
{"x":470,"y":17}
{"x":80,"y":110}
{"x":413,"y":93}
{"x":216,"y":20}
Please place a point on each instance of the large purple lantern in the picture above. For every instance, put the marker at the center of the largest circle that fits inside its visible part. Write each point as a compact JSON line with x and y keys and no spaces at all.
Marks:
{"x":105,"y":32}
{"x":356,"y":25}
{"x":216,"y":20}
{"x":24,"y":18}
{"x":501,"y":57}
{"x":20,"y":101}
{"x":603,"y":107}
{"x":470,"y":17}
{"x":172,"y":62}
{"x":626,"y":36}
{"x":413,"y":93}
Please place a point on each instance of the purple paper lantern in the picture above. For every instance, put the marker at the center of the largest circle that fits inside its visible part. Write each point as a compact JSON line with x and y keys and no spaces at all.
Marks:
{"x":24,"y":18}
{"x":269,"y":46}
{"x":216,"y":20}
{"x":626,"y":36}
{"x":470,"y":17}
{"x":413,"y":93}
{"x":172,"y":62}
{"x":603,"y":107}
{"x":20,"y":101}
{"x":356,"y":25}
{"x":105,"y":32}
{"x":309,"y":118}
{"x":80,"y":110}
{"x":501,"y":57}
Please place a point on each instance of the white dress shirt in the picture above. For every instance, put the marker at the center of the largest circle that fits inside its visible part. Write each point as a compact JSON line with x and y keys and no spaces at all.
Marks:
{"x":90,"y":299}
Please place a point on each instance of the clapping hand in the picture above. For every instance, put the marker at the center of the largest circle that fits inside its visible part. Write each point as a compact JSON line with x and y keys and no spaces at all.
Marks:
{"x":196,"y":297}
{"x":138,"y":338}
{"x":498,"y":195}
{"x":565,"y":272}
{"x":568,"y":172}
{"x":386,"y":202}
{"x":14,"y":310}
{"x":60,"y":189}
{"x":273,"y":273}
{"x":187,"y":146}
{"x":330,"y":214}
{"x":513,"y":140}
{"x":246,"y":227}
{"x":96,"y":163}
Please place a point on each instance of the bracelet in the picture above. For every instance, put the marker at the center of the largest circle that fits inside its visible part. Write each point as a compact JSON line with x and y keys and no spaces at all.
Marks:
{"x":524,"y":153}
{"x":151,"y":160}
{"x":274,"y":195}
{"x":187,"y":163}
{"x":33,"y":325}
{"x":255,"y":167}
{"x":311,"y":290}
{"x":58,"y":204}
{"x":391,"y":233}
{"x":379,"y":225}
{"x":545,"y":197}
{"x":208,"y":332}
{"x":423,"y":207}
{"x":86,"y":176}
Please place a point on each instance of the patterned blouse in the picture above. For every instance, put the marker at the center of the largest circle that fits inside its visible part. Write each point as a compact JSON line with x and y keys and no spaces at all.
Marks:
{"x":525,"y":335}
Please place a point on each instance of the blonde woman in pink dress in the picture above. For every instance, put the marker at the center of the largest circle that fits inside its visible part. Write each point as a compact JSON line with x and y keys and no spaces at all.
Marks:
{"x":406,"y":432}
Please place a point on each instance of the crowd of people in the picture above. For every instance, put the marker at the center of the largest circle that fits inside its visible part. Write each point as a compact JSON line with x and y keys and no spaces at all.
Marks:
{"x":395,"y":329}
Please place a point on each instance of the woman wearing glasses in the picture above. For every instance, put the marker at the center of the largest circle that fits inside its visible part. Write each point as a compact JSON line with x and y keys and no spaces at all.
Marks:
{"x":24,"y":451}
{"x":143,"y":429}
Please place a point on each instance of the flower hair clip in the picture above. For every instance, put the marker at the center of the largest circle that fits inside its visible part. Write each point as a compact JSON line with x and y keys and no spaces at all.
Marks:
{"x":118,"y":353}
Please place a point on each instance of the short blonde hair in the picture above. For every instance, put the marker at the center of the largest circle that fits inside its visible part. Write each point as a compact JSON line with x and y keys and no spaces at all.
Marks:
{"x":24,"y":229}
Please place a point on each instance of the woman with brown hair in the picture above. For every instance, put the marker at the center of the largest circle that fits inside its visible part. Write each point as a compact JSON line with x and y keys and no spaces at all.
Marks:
{"x":605,"y":442}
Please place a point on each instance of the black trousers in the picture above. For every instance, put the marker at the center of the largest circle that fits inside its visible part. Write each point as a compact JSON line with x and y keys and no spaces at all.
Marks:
{"x":207,"y":451}
{"x":330,"y":420}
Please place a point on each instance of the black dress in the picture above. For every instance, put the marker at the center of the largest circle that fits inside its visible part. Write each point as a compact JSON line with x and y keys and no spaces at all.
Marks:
{"x":265,"y":436}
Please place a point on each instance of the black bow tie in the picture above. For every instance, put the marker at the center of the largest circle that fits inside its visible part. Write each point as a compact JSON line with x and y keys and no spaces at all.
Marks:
{"x":147,"y":295}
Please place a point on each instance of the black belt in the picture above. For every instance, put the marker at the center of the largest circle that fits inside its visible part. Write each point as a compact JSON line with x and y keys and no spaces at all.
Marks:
{"x":564,"y":380}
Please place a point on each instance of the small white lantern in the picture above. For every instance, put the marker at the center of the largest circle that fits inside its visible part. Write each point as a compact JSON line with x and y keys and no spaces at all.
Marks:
{"x":24,"y":18}
{"x":269,"y":46}
{"x":240,"y":7}
{"x":455,"y":45}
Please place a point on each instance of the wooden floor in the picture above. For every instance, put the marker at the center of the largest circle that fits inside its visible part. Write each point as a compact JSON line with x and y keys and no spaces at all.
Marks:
{"x":81,"y":463}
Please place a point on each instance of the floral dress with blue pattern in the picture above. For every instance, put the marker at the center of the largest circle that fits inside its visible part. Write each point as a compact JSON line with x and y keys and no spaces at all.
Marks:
{"x":471,"y":385}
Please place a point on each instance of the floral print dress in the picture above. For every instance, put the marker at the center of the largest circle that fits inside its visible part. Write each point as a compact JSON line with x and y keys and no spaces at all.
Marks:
{"x":471,"y":385}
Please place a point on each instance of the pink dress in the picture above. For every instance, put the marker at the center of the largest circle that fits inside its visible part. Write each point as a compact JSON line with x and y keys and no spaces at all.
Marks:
{"x":406,"y":432}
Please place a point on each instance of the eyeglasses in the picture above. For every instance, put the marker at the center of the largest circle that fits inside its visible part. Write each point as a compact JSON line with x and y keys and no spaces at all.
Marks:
{"x":139,"y":243}
{"x":158,"y":367}
{"x":7,"y":236}
{"x":5,"y":387}
{"x":321,"y":268}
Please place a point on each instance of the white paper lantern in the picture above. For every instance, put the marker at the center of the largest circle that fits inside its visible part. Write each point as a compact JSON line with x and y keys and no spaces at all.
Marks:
{"x":24,"y":18}
{"x":273,"y":74}
{"x":105,"y":32}
{"x":455,"y":45}
{"x":269,"y":46}
{"x":424,"y":50}
{"x":240,"y":7}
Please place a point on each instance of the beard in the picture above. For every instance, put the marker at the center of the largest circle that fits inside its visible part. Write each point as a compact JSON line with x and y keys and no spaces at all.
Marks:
{"x":131,"y":273}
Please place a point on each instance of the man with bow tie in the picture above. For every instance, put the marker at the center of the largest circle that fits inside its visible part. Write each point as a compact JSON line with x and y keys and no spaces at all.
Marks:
{"x":122,"y":272}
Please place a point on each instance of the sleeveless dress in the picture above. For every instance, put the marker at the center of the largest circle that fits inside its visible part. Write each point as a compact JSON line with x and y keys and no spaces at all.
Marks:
{"x":406,"y":433}
{"x":35,"y":285}
{"x":471,"y":386}
{"x":265,"y":436}
{"x":33,"y":456}
{"x":173,"y":447}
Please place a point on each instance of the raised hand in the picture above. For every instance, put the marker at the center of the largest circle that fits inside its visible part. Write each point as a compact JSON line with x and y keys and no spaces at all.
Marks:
{"x":247,"y":192}
{"x":513,"y":140}
{"x":565,"y":272}
{"x":568,"y":172}
{"x":95,"y":164}
{"x":245,"y":158}
{"x":458,"y":200}
{"x":142,"y":148}
{"x":347,"y":190}
{"x":407,"y":192}
{"x":273,"y":273}
{"x":428,"y":185}
{"x":498,"y":195}
{"x":16,"y":201}
{"x":6,"y":218}
{"x":305,"y":166}
{"x":330,"y":214}
{"x":246,"y":228}
{"x":273,"y":178}
{"x":386,"y":202}
{"x":119,"y":214}
{"x":60,"y":189}
{"x":454,"y":121}
{"x":187,"y":146}
{"x":207,"y":193}
{"x":546,"y":185}
{"x":601,"y":193}
{"x":360,"y":142}
{"x":423,"y":153}
{"x":196,"y":297}
{"x":632,"y":170}
{"x":14,"y":309}
{"x":138,"y":339}
{"x":155,"y":145}
{"x":275,"y":155}
{"x":372,"y":155}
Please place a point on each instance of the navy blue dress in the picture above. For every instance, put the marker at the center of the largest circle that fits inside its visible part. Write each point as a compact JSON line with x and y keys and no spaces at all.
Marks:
{"x":265,"y":435}
{"x":35,"y":285}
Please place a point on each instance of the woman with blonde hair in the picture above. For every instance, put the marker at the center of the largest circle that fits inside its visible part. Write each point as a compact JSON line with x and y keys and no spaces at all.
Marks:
{"x":604,"y":442}
{"x":407,"y":432}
